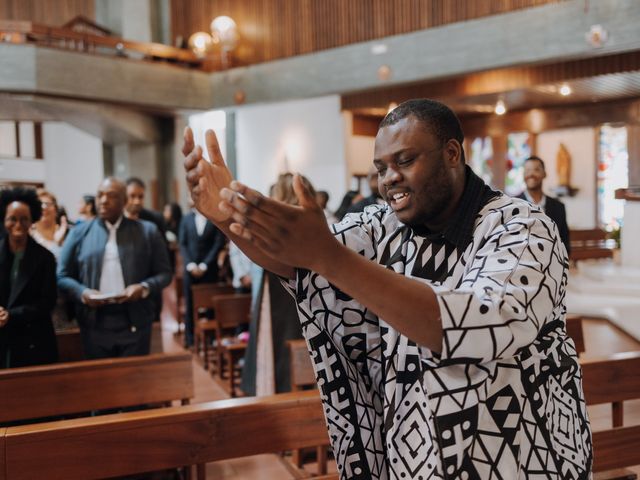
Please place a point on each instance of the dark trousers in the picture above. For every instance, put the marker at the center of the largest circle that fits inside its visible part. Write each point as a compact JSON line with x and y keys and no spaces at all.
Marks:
{"x":114,"y":335}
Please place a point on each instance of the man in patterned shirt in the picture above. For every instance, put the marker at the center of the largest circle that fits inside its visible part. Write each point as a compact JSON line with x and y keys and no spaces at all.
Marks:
{"x":436,"y":322}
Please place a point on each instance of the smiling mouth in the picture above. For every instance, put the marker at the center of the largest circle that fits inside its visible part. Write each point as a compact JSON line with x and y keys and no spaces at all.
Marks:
{"x":399,"y":201}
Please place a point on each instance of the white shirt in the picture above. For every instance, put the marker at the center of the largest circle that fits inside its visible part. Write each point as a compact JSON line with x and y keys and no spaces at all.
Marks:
{"x":111,"y":278}
{"x":201,"y":222}
{"x":543,"y":200}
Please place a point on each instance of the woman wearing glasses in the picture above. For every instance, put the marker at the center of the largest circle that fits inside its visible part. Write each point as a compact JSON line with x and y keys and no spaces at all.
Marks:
{"x":27,"y":285}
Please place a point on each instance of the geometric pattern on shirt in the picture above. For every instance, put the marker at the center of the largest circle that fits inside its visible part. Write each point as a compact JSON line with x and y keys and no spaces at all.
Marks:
{"x":483,"y":408}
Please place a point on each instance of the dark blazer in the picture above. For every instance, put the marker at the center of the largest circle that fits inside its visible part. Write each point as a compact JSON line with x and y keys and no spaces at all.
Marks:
{"x":555,"y":211}
{"x":156,"y":218}
{"x":365,"y":202}
{"x":143,"y":257}
{"x":200,"y":249}
{"x":29,"y":334}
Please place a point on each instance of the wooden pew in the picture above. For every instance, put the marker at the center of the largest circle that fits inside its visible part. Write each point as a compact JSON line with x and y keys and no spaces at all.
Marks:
{"x":204,"y":330}
{"x":69,"y":345}
{"x":303,"y":377}
{"x":232,"y":311}
{"x":591,"y":243}
{"x":575,"y":332}
{"x":152,"y":440}
{"x":78,"y":387}
{"x":613,"y":380}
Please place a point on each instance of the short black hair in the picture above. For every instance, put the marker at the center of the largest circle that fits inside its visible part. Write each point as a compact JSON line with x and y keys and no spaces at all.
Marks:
{"x":439,"y":119}
{"x":24,"y":195}
{"x":91,"y":201}
{"x":135,"y":181}
{"x":535,"y":158}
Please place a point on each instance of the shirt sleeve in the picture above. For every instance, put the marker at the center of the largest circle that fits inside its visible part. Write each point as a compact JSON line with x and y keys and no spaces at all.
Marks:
{"x":513,"y":288}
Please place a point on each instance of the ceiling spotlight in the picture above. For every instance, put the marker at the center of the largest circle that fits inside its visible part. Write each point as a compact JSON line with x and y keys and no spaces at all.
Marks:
{"x":500,"y":109}
{"x":565,"y":90}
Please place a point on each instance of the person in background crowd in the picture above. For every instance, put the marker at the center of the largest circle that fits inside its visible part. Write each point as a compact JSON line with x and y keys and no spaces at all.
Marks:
{"x":114,"y":268}
{"x":135,"y":210}
{"x":87,"y":210}
{"x":27,"y":285}
{"x":322,"y":198}
{"x":201,"y":245}
{"x":374,"y":197}
{"x":172,"y":214}
{"x":47,"y":232}
{"x":534,"y":175}
{"x":351,"y":197}
{"x":274,"y":320}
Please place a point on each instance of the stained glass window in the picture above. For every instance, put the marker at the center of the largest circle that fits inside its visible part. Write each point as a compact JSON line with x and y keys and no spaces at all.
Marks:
{"x":482,"y":158}
{"x":613,"y":167}
{"x":518,"y":149}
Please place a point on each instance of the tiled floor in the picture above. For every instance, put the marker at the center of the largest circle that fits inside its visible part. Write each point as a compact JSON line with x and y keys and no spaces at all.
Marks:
{"x":601,"y":339}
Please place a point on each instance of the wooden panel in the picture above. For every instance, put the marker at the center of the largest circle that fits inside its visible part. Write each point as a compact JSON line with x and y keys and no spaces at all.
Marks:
{"x":301,"y":369}
{"x":612,"y":379}
{"x":616,"y":448}
{"x":129,"y":443}
{"x":77,"y":387}
{"x":50,"y":13}
{"x":69,"y":345}
{"x":574,"y":330}
{"x":272,"y":29}
{"x":3,"y":463}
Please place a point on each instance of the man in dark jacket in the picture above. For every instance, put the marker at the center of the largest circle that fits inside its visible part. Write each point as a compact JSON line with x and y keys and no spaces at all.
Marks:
{"x":534,"y":174}
{"x":200,"y":245}
{"x":113,"y":267}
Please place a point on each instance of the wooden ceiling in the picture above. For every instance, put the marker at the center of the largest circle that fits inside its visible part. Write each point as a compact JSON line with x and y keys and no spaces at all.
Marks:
{"x":52,"y":13}
{"x":273,"y":29}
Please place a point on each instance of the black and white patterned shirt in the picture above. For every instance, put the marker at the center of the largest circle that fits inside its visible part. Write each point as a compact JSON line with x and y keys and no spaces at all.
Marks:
{"x":503,"y":398}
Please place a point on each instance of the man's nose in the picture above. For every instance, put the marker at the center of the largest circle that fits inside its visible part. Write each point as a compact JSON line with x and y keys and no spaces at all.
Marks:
{"x":391,"y":176}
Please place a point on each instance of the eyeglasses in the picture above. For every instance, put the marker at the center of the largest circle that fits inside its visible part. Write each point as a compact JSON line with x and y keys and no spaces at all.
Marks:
{"x":24,"y":221}
{"x":47,"y":204}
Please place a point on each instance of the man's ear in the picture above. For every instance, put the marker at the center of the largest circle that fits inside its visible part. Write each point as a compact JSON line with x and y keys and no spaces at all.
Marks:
{"x":453,"y":152}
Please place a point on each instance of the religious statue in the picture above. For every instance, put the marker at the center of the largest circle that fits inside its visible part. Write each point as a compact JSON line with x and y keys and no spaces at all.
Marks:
{"x":563,"y":169}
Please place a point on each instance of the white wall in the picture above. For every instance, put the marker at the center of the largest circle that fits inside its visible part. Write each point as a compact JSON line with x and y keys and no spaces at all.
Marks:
{"x":21,"y":170}
{"x":73,"y":163}
{"x":305,"y":136}
{"x":580,"y":142}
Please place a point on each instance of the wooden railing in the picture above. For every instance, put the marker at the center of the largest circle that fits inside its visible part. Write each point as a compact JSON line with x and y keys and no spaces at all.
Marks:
{"x":25,"y":32}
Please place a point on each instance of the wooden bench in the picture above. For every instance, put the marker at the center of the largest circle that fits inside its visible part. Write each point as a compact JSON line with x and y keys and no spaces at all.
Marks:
{"x":613,"y":380}
{"x":232,"y":311}
{"x":69,"y":345}
{"x":574,"y":330}
{"x":79,"y":387}
{"x":204,"y":329}
{"x":590,"y":244}
{"x":160,"y":439}
{"x":302,"y":378}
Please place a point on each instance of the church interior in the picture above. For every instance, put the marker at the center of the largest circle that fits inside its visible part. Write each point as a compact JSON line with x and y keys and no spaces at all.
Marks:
{"x":95,"y":89}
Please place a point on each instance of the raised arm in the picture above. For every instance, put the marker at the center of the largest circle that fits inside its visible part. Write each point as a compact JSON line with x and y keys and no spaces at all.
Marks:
{"x":300,"y":236}
{"x":206,"y":181}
